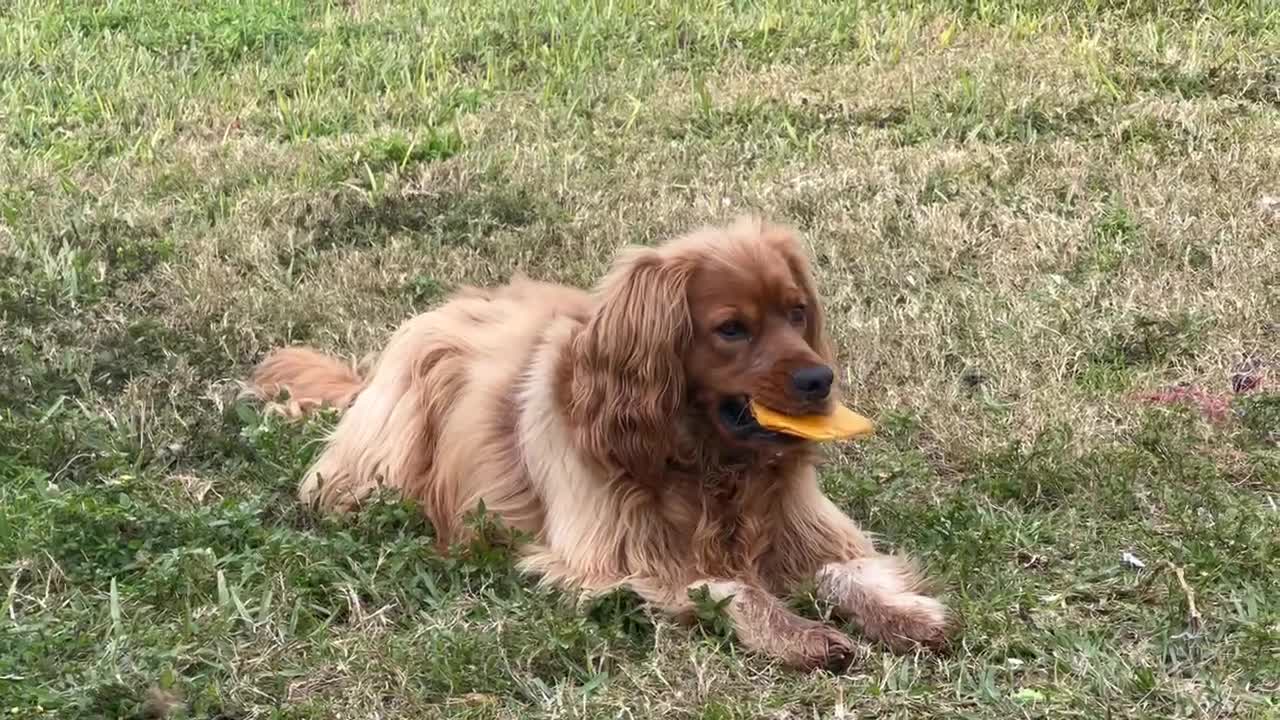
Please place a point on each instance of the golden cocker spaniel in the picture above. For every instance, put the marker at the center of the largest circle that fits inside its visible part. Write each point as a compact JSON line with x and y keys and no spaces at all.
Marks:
{"x":613,"y":428}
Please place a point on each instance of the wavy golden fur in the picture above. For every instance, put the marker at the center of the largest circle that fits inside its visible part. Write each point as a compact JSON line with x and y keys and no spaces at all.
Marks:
{"x":612,"y":428}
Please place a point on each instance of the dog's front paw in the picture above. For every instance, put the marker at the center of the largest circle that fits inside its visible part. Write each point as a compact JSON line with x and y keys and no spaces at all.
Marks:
{"x":880,"y":594}
{"x":765,"y":625}
{"x":910,"y":620}
{"x":820,"y":646}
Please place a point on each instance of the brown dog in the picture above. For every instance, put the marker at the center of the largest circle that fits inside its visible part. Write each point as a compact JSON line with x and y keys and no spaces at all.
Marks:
{"x":613,"y":428}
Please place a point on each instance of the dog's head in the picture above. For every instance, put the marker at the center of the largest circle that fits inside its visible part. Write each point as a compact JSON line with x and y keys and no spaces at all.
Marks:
{"x":698,"y":328}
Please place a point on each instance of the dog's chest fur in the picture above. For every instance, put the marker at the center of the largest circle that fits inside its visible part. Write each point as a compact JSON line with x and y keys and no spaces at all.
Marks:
{"x":705,"y":516}
{"x":726,"y":517}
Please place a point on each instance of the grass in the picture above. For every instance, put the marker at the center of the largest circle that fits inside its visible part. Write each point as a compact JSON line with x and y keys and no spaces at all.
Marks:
{"x":1026,"y":218}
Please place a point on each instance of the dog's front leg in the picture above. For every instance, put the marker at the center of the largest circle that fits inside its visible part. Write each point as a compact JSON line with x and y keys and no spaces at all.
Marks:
{"x":761,"y":622}
{"x":879,"y":593}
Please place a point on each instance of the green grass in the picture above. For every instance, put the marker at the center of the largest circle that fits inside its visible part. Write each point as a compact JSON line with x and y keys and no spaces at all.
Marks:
{"x":1025,"y":217}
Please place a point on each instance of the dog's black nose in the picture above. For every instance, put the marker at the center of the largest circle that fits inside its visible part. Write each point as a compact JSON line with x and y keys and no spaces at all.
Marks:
{"x":813,"y":382}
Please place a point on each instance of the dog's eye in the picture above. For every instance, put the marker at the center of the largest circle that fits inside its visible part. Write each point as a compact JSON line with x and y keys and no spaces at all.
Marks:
{"x":732,"y":330}
{"x":798,"y":315}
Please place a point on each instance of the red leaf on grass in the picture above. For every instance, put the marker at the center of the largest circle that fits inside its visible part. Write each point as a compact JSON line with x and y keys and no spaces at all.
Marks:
{"x":1214,"y":406}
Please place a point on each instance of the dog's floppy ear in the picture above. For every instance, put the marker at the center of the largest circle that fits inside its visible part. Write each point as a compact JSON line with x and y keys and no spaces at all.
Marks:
{"x":628,"y":373}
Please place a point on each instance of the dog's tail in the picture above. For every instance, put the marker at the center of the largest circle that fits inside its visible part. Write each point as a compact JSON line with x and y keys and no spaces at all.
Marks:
{"x":309,"y":378}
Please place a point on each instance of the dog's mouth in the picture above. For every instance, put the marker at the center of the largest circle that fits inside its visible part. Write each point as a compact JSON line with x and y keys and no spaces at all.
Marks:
{"x":735,"y":416}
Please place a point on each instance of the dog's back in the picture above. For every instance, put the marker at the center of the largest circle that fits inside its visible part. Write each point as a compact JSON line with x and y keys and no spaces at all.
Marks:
{"x":436,"y":417}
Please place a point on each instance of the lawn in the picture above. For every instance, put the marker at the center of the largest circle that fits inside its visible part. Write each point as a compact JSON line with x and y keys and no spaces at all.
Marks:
{"x":1048,"y":234}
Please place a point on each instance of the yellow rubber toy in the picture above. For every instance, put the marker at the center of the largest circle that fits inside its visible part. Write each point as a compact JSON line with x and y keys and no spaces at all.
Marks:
{"x":841,"y":424}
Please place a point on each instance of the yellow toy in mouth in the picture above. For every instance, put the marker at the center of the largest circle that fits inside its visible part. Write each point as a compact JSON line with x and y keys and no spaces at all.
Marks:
{"x":841,"y":424}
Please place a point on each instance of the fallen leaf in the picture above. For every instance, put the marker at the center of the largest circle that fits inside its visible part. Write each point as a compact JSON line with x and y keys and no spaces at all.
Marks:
{"x":1213,"y":406}
{"x":1246,"y":376}
{"x":1028,"y":695}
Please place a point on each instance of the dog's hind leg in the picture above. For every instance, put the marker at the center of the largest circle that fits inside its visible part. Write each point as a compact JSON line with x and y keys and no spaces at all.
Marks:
{"x":388,"y":436}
